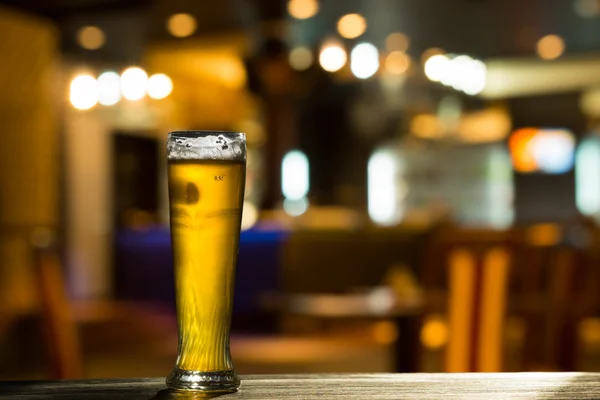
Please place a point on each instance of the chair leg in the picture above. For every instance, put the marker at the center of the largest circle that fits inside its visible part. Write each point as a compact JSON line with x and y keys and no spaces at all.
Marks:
{"x":567,"y":351}
{"x":406,"y":346}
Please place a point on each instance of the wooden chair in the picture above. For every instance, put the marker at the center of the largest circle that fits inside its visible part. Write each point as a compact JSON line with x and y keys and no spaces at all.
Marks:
{"x":556,"y":287}
{"x":472,"y":267}
{"x":60,"y":331}
{"x":115,"y":326}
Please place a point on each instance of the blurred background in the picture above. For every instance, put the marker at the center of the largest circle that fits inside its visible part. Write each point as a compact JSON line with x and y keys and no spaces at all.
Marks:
{"x":423,"y":189}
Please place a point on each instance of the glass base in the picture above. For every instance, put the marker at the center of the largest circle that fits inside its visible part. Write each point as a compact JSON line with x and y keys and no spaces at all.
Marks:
{"x":214,"y":381}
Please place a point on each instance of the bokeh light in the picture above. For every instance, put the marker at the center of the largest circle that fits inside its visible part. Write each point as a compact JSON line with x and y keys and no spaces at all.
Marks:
{"x":587,"y":176}
{"x":589,"y":331}
{"x":295,"y":175}
{"x":432,"y":51}
{"x":364,"y":60}
{"x":397,"y":41}
{"x":301,"y":58}
{"x":384,"y":332}
{"x":295,"y":208}
{"x":352,"y":26}
{"x":303,"y":9}
{"x":397,"y":63}
{"x":249,"y":215}
{"x":589,"y":102}
{"x":381,"y":300}
{"x":437,"y":67}
{"x":545,"y":150}
{"x":543,"y":235}
{"x":91,"y":37}
{"x":434,"y":333}
{"x":159,"y":86}
{"x":553,"y":150}
{"x":476,"y":78}
{"x":384,"y":196}
{"x":83,"y":92}
{"x":550,"y":47}
{"x":332,"y":57}
{"x":133,"y":83}
{"x":461,"y":73}
{"x":181,"y":25}
{"x":426,"y":126}
{"x":467,"y":75}
{"x":519,"y":144}
{"x":587,"y":8}
{"x":109,"y":88}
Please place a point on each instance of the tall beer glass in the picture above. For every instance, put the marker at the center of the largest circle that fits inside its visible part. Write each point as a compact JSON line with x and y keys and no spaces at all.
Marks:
{"x":207,"y":171}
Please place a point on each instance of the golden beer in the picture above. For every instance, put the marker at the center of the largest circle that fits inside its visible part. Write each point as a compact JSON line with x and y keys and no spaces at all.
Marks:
{"x":206,"y":197}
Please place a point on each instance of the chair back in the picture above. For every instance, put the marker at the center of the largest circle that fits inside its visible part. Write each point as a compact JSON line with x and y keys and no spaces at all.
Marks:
{"x":473,"y":266}
{"x":59,"y":328}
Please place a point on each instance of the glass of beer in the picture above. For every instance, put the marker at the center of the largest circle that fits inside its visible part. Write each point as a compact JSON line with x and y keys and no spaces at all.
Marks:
{"x":207,"y":171}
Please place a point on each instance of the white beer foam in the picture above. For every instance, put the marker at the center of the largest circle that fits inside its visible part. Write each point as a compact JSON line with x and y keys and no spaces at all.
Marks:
{"x":206,"y":145}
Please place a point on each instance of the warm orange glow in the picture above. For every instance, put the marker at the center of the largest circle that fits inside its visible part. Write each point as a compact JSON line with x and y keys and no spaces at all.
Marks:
{"x":550,"y":47}
{"x":434,"y":333}
{"x":91,"y":37}
{"x":352,"y":26}
{"x":544,"y":235}
{"x":397,"y":42}
{"x":397,"y":63}
{"x":519,"y":143}
{"x":426,"y":126}
{"x":488,"y":125}
{"x":589,"y":330}
{"x":228,"y":70}
{"x":303,"y":9}
{"x":385,"y":332}
{"x":181,"y":25}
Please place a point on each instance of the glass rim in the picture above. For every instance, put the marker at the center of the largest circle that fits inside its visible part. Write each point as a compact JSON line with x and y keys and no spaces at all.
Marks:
{"x":205,"y":133}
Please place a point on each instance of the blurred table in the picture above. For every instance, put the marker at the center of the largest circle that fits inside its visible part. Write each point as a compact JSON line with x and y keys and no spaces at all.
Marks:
{"x":379,"y":302}
{"x":374,"y":303}
{"x":523,"y":386}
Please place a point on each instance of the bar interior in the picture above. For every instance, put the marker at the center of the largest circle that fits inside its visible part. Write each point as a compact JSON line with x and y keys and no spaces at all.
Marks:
{"x":422,"y":182}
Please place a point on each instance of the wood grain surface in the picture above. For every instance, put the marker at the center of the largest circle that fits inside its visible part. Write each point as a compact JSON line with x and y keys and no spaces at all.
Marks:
{"x":530,"y":386}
